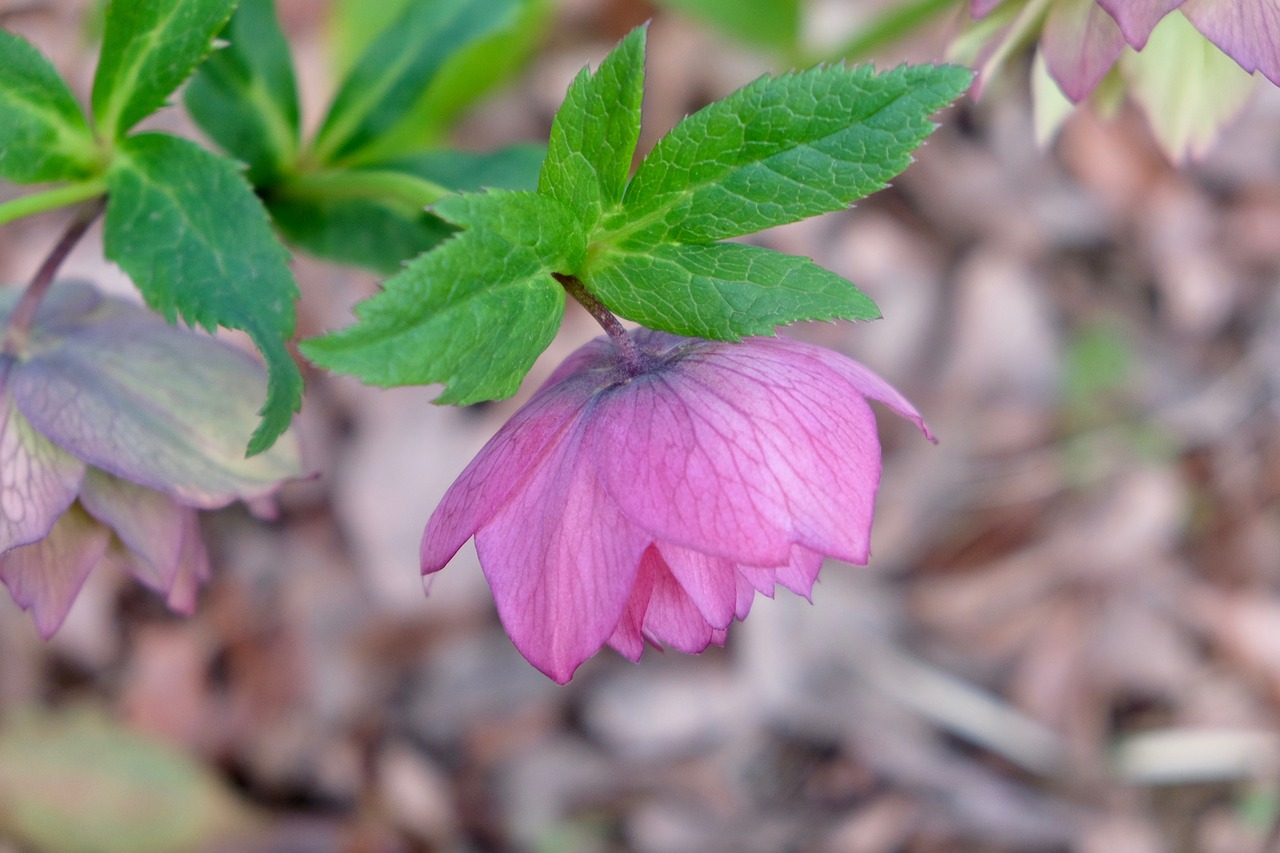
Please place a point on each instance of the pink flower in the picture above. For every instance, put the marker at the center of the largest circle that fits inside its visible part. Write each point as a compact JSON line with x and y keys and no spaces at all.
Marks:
{"x":620,"y":506}
{"x":115,"y":427}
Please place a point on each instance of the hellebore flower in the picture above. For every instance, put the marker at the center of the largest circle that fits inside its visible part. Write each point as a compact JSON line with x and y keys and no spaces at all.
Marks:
{"x":625,"y":504}
{"x":1190,"y":72}
{"x":115,"y":427}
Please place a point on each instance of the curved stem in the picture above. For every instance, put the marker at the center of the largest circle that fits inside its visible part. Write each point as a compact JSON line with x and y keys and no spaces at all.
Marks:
{"x":15,"y":336}
{"x":29,"y":205}
{"x":633,"y":358}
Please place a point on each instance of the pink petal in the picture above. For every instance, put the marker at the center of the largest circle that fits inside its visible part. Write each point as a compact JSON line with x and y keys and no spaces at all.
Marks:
{"x":671,"y":617}
{"x":561,"y":561}
{"x":46,"y":576}
{"x":1137,"y":18}
{"x":506,"y":462}
{"x":859,"y":376}
{"x":38,"y":480}
{"x":1246,"y":30}
{"x":801,"y":573}
{"x":982,"y":8}
{"x":711,"y":583}
{"x":1080,"y":43}
{"x":628,"y":636}
{"x":740,"y":450}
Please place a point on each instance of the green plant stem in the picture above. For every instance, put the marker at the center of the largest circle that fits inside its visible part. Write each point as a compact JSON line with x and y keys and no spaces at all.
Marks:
{"x":19,"y":327}
{"x":29,"y":205}
{"x":633,"y":358}
{"x":399,"y":187}
{"x":900,"y":20}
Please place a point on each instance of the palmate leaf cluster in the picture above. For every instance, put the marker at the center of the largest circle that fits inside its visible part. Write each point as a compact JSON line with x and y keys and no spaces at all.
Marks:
{"x":190,"y":226}
{"x":476,"y":311}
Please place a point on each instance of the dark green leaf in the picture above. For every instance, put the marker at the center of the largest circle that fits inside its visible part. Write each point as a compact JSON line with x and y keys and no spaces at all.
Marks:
{"x":388,"y":81}
{"x":593,"y":137}
{"x":472,"y":314}
{"x":361,"y":232}
{"x":782,"y":149}
{"x":148,"y":48}
{"x":767,"y":23}
{"x":187,"y":228}
{"x":722,"y":290}
{"x":43,"y":133}
{"x":244,"y":96}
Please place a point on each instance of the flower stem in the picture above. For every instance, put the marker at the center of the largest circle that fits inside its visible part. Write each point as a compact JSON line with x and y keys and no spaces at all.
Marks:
{"x":633,"y":358}
{"x":39,"y":202}
{"x":15,"y":336}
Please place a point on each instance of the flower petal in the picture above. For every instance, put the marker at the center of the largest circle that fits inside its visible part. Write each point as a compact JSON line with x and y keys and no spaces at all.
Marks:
{"x":671,"y":616}
{"x":1137,"y":18}
{"x":1080,"y":44}
{"x":1246,"y":30}
{"x":193,"y":566}
{"x":800,"y":574}
{"x":46,"y":576}
{"x":740,"y":450}
{"x":561,"y":561}
{"x":709,"y":582}
{"x":159,"y":406}
{"x":503,"y":465}
{"x":163,"y":537}
{"x":38,"y":480}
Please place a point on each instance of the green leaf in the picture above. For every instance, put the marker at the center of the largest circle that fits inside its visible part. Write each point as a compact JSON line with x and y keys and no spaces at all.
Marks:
{"x":782,"y":149}
{"x":359,"y":216}
{"x":594,"y":134}
{"x":245,"y":97}
{"x":767,"y":23}
{"x":722,"y":290}
{"x":148,"y":48}
{"x":472,"y":314}
{"x":467,"y":74}
{"x":362,"y":232}
{"x":383,"y":89}
{"x":512,"y":168}
{"x":43,"y":135}
{"x":187,"y":228}
{"x":353,"y":25}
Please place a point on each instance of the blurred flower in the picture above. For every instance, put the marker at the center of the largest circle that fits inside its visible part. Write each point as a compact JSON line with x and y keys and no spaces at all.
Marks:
{"x":1189,"y":72}
{"x":114,"y":428}
{"x":619,"y":506}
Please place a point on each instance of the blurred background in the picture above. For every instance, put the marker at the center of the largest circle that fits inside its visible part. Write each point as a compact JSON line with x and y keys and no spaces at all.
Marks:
{"x":1067,"y":639}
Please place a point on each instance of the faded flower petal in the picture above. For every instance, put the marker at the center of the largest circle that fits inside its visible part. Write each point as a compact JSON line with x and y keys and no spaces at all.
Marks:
{"x":1137,"y":18}
{"x":1246,"y":30}
{"x":46,"y":576}
{"x":1080,"y":43}
{"x":626,"y":506}
{"x":38,"y":480}
{"x":162,"y":535}
{"x":141,"y":422}
{"x":153,"y":404}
